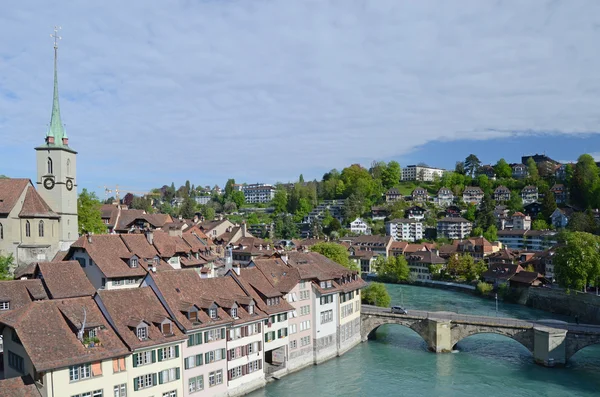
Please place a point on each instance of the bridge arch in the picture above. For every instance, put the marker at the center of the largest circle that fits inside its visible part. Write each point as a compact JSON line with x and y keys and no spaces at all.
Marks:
{"x":577,"y":342}
{"x":370,"y":324}
{"x":524,"y":336}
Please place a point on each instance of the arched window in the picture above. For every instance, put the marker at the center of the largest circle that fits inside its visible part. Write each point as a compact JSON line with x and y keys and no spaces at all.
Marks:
{"x":41,"y":228}
{"x":1,"y":232}
{"x":68,"y":166}
{"x":27,"y":229}
{"x":49,"y":165}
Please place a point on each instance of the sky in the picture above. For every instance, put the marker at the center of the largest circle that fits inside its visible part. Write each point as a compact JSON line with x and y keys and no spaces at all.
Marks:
{"x":265,"y":90}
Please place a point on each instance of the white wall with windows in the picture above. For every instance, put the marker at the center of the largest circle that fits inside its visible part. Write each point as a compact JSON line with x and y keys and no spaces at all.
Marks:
{"x":245,"y":347}
{"x":204,"y":364}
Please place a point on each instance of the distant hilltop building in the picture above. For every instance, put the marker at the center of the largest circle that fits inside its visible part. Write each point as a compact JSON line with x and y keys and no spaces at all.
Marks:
{"x":421,"y":173}
{"x":36,"y":223}
{"x":258,"y":193}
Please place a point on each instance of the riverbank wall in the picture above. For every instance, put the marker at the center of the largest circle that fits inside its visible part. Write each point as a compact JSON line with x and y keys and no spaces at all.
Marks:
{"x":585,"y":306}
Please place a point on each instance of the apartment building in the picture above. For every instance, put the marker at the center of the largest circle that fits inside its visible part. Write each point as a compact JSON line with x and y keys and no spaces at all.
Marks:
{"x":67,"y":347}
{"x":404,"y":229}
{"x":349,"y":320}
{"x":258,"y":193}
{"x":454,"y":228}
{"x":421,"y":173}
{"x":472,"y":195}
{"x":155,"y":365}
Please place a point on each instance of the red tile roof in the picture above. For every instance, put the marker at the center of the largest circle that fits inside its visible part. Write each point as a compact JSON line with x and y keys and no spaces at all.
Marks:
{"x":23,"y":386}
{"x":21,"y":292}
{"x":10,"y":191}
{"x":35,"y":206}
{"x":65,"y":279}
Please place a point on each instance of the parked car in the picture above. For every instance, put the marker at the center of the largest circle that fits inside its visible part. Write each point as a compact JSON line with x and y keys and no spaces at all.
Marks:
{"x":399,"y":310}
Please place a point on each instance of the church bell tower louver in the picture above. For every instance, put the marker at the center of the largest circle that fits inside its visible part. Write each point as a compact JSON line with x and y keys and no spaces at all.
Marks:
{"x":56,"y":168}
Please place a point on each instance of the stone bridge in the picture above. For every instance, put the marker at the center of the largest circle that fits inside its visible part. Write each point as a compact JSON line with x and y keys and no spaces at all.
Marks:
{"x":551,"y":342}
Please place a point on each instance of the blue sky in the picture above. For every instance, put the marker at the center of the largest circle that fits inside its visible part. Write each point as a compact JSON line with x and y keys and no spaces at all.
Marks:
{"x":263,"y":90}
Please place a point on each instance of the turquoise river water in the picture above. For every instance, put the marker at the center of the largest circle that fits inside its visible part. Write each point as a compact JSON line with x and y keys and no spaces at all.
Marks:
{"x":397,"y":362}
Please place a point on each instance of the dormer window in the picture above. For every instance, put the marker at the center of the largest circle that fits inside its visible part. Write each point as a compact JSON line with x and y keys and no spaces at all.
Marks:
{"x":142,"y":332}
{"x":322,"y":284}
{"x":5,"y":305}
{"x":328,"y":283}
{"x":133,"y":262}
{"x":156,"y":260}
{"x":234,"y":312}
{"x":250,"y":309}
{"x":212,"y":313}
{"x":167,"y":327}
{"x":192,"y":315}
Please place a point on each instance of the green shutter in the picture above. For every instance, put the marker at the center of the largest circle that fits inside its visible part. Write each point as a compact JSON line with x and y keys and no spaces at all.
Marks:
{"x":153,"y":356}
{"x":224,"y":353}
{"x":135,"y":355}
{"x":198,"y":359}
{"x":206,"y":337}
{"x":160,"y":356}
{"x":176,"y":351}
{"x":135,"y":384}
{"x":266,"y":336}
{"x":153,"y":379}
{"x":191,"y":341}
{"x":177,"y":373}
{"x":160,"y":378}
{"x":185,"y":364}
{"x":199,"y":338}
{"x":206,"y":357}
{"x":222,"y":333}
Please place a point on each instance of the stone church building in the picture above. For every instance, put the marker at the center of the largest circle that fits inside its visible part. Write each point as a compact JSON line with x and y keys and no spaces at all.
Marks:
{"x":37,"y":221}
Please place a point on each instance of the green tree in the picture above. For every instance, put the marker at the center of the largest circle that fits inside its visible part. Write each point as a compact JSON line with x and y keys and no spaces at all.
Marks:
{"x":491,"y":233}
{"x":301,"y":178}
{"x":484,"y":288}
{"x":6,"y":266}
{"x":502,"y":169}
{"x":485,"y":213}
{"x":582,"y":222}
{"x":484,"y":183}
{"x":335,"y":252}
{"x":88,"y":213}
{"x":532,"y":169}
{"x":540,"y":224}
{"x":229,"y":187}
{"x":376,"y":294}
{"x":548,"y":205}
{"x":472,"y":165}
{"x":188,"y":208}
{"x":474,"y":268}
{"x":477,"y":231}
{"x":166,"y":208}
{"x":285,"y":227}
{"x":471,"y":212}
{"x":280,"y":201}
{"x":238,"y":198}
{"x":585,"y":183}
{"x":460,"y":167}
{"x":515,"y":204}
{"x":391,"y":174}
{"x":577,"y":260}
{"x":392,"y":269}
{"x":208,"y":212}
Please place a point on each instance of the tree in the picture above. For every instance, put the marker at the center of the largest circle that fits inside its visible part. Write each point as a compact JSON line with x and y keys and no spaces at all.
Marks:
{"x":301,"y":178}
{"x":208,"y":212}
{"x":285,"y":227}
{"x":280,"y":201}
{"x":229,"y":187}
{"x":548,"y":205}
{"x":88,"y":213}
{"x":585,"y":183}
{"x":484,"y":183}
{"x":582,"y":222}
{"x":336,"y":253}
{"x":238,"y":198}
{"x":188,"y":208}
{"x":229,"y":207}
{"x":515,"y":204}
{"x":532,"y":169}
{"x":376,"y":294}
{"x":391,"y":174}
{"x":392,"y":269}
{"x":484,"y":288}
{"x":474,"y":268}
{"x":485,"y":213}
{"x":471,"y":212}
{"x":477,"y":232}
{"x":6,"y":266}
{"x":472,"y":165}
{"x":491,"y":234}
{"x":577,"y":260}
{"x":502,"y":169}
{"x":540,"y":224}
{"x":460,"y":167}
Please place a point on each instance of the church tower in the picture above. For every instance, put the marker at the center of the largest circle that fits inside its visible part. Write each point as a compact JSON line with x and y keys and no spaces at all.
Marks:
{"x":56,"y":169}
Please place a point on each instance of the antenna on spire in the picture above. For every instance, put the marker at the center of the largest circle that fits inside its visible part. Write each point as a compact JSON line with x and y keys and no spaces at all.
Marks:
{"x":56,"y":36}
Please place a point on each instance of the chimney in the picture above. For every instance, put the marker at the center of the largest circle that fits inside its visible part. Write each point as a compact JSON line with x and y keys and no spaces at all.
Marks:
{"x":284,"y":258}
{"x":243,"y":228}
{"x":89,"y":238}
{"x":150,"y":236}
{"x":236,"y":269}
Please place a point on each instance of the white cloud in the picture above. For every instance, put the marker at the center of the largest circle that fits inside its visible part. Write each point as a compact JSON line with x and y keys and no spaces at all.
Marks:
{"x":155,"y":91}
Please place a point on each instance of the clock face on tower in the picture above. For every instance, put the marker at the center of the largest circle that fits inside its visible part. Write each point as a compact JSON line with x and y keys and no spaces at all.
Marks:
{"x":48,"y":183}
{"x":69,"y":184}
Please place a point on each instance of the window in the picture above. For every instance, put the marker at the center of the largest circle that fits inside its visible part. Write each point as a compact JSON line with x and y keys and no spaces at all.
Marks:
{"x":120,"y":390}
{"x":142,"y":358}
{"x":326,"y":299}
{"x":282,"y":317}
{"x":1,"y":232}
{"x":41,"y":229}
{"x":212,"y":313}
{"x":254,"y":366}
{"x":304,"y":325}
{"x":79,"y":372}
{"x":304,"y":295}
{"x":304,"y":341}
{"x":302,"y":286}
{"x":68,"y":167}
{"x":214,"y":334}
{"x":293,"y":329}
{"x":166,"y":328}
{"x":142,"y":332}
{"x":168,"y":375}
{"x":49,"y":165}
{"x":250,"y":309}
{"x":322,"y":284}
{"x":235,"y":372}
{"x":328,"y":283}
{"x":133,"y":262}
{"x":118,"y":365}
{"x":95,"y":393}
{"x":234,"y":312}
{"x":214,"y":355}
{"x":195,"y":339}
{"x":194,"y":361}
{"x":4,"y":305}
{"x":293,"y":344}
{"x":196,"y":384}
{"x":167,"y":353}
{"x":27,"y":229}
{"x":215,"y":378}
{"x":16,"y":362}
{"x":144,"y":381}
{"x":304,"y":310}
{"x":172,"y":393}
{"x":326,"y":316}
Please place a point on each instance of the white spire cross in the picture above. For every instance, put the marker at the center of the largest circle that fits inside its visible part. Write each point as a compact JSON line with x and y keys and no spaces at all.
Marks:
{"x":56,"y":36}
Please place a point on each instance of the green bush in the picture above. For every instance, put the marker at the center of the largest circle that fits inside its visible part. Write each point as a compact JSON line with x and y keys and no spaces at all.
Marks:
{"x":484,"y":288}
{"x":376,"y":294}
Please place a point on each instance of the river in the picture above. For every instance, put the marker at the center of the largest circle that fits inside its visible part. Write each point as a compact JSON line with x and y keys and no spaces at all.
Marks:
{"x":397,"y":362}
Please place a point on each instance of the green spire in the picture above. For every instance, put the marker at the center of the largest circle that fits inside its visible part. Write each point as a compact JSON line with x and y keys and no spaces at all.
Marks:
{"x":57,"y":129}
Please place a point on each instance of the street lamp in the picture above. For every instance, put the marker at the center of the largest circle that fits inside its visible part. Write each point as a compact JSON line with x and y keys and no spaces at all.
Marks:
{"x":496,"y":305}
